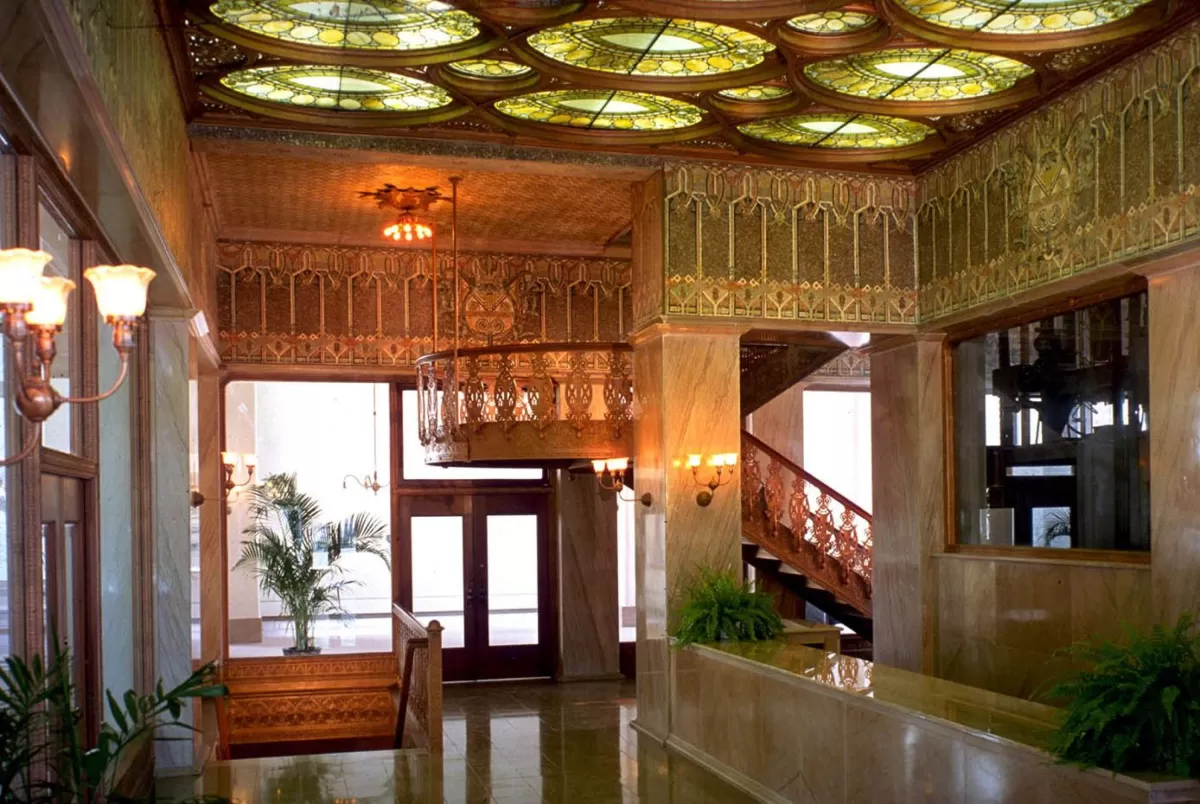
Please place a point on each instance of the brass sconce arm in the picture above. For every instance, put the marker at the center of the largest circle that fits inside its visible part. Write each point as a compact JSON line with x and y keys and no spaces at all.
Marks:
{"x":31,"y":443}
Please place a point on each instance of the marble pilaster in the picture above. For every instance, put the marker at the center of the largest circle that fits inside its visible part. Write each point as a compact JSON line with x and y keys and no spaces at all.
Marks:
{"x":212,"y":570}
{"x":1175,"y":443}
{"x":686,"y":382}
{"x":169,"y":367}
{"x":908,"y":487}
{"x":587,"y":578}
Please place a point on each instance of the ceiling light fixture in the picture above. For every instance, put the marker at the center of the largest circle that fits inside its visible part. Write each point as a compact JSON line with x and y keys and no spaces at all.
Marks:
{"x":31,"y":303}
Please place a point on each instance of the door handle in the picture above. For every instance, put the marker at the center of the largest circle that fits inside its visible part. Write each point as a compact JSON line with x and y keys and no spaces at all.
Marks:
{"x":470,"y":591}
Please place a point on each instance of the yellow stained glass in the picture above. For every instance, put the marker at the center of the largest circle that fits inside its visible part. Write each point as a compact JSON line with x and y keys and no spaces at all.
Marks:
{"x":838,"y":130}
{"x":351,"y":89}
{"x":918,"y":74}
{"x":602,"y":109}
{"x":652,"y":46}
{"x":490,"y":68}
{"x":1022,"y":16}
{"x":832,"y":23}
{"x":755,"y":92}
{"x":355,"y":24}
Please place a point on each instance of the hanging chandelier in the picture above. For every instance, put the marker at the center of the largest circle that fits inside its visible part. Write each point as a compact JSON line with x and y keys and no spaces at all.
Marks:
{"x":408,"y":229}
{"x":413,"y":204}
{"x":35,"y":305}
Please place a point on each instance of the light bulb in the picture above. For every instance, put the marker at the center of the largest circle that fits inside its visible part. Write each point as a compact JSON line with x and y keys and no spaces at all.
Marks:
{"x":50,"y":302}
{"x":20,"y":272}
{"x":120,"y":289}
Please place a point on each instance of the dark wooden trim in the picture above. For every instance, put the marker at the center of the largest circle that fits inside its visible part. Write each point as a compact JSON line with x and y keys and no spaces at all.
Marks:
{"x":1077,"y":555}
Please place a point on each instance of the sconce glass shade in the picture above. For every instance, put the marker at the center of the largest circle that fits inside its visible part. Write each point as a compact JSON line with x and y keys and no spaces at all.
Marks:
{"x":50,"y":302}
{"x":730,"y":458}
{"x":20,"y":271}
{"x":229,"y":458}
{"x":120,"y":289}
{"x":618,"y":464}
{"x":598,"y":467}
{"x":693,"y":461}
{"x":250,"y":460}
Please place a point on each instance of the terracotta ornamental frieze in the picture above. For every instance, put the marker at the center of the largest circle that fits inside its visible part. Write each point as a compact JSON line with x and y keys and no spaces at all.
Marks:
{"x":374,"y":306}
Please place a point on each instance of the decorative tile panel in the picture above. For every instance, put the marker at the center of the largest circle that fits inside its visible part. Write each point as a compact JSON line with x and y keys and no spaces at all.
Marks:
{"x":331,"y":305}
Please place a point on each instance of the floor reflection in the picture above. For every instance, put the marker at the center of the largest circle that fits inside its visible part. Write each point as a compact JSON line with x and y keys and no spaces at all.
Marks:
{"x":508,"y":744}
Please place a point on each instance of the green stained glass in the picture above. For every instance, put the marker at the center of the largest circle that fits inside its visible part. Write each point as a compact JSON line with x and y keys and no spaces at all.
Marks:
{"x":838,"y":130}
{"x":831,"y":23}
{"x":490,"y":68}
{"x":357,"y":24}
{"x":1022,"y":16}
{"x":602,"y":109}
{"x":755,"y":92}
{"x":351,"y":89}
{"x":652,"y":46}
{"x":918,"y":74}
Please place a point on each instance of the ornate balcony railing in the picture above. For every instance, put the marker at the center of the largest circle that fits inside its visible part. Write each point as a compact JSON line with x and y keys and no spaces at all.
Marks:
{"x":805,"y":523}
{"x":524,"y":403}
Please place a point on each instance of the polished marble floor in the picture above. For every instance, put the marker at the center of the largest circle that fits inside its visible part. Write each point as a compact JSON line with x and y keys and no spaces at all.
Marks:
{"x":510,"y":744}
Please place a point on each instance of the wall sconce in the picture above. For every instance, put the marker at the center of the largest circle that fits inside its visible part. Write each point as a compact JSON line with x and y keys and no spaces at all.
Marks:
{"x":610,"y":474}
{"x":370,"y":481}
{"x":721,"y":462}
{"x":230,"y":460}
{"x":31,"y":303}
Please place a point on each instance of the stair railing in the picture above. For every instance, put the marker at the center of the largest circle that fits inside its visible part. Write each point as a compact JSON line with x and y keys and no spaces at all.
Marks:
{"x":793,"y":501}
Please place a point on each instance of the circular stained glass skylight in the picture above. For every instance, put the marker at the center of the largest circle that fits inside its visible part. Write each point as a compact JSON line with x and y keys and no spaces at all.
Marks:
{"x":1021,"y":16}
{"x":489,"y":68}
{"x":351,"y":89}
{"x":652,"y":46}
{"x":755,"y":92}
{"x":918,"y":74}
{"x":838,"y":130}
{"x":602,"y":109}
{"x":357,"y":24}
{"x":832,"y":23}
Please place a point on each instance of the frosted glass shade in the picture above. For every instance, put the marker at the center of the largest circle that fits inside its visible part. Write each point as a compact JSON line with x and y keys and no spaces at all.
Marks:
{"x":20,"y":272}
{"x":120,"y":289}
{"x":598,"y":467}
{"x":50,"y":302}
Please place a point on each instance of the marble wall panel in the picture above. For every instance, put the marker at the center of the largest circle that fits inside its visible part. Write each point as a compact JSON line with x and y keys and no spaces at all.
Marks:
{"x":908,"y":493}
{"x":1175,"y":443}
{"x":169,"y":367}
{"x":1000,"y":620}
{"x":587,"y":576}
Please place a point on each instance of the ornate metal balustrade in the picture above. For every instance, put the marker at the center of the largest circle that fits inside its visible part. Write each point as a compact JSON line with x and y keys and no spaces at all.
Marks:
{"x":805,"y":523}
{"x":524,"y":403}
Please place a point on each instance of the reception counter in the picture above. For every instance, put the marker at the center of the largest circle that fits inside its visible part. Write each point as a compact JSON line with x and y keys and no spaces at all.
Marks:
{"x":788,"y":723}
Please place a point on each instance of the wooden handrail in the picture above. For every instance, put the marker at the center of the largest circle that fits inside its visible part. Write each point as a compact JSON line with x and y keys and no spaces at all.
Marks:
{"x":427,"y":715}
{"x":808,"y":477}
{"x":525,"y":348}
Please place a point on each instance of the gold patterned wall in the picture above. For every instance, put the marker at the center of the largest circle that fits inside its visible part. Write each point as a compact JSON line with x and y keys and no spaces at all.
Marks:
{"x":1107,"y":173}
{"x":792,"y":245}
{"x":349,"y":306}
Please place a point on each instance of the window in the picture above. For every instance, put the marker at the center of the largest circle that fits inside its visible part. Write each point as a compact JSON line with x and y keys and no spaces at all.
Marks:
{"x":1051,"y":432}
{"x":837,"y":441}
{"x":321,"y":436}
{"x":58,"y":432}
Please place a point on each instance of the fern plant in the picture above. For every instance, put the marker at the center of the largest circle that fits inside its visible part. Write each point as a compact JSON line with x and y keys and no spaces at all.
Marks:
{"x":1137,"y":706}
{"x":42,"y":757}
{"x":287,"y":535}
{"x":719,"y":607}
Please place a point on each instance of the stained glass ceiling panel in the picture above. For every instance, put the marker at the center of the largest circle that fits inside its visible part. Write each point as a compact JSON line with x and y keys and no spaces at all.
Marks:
{"x":832,"y":23}
{"x":355,"y":24}
{"x":918,"y":74}
{"x":351,"y":89}
{"x":1022,"y":16}
{"x":602,"y":109}
{"x":755,"y":92}
{"x":490,"y":68}
{"x":652,"y":46}
{"x":838,"y":130}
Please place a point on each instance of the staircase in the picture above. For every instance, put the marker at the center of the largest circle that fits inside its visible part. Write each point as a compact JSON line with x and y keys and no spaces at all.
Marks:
{"x":772,"y":363}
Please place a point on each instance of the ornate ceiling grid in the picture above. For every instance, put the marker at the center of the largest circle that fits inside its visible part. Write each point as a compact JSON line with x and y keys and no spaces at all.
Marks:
{"x":751,"y":79}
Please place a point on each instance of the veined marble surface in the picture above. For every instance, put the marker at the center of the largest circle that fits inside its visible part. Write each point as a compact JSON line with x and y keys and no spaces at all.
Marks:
{"x":172,"y":542}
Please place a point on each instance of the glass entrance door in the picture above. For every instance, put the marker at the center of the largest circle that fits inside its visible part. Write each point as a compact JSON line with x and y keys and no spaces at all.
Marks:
{"x":479,"y":565}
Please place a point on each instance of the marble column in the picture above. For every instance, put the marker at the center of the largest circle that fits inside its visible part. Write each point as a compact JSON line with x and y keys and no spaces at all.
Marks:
{"x":169,"y":370}
{"x":1174,"y":444}
{"x":780,"y":424}
{"x":213,"y":573}
{"x":587,"y":576}
{"x":908,"y":489}
{"x":686,"y":383}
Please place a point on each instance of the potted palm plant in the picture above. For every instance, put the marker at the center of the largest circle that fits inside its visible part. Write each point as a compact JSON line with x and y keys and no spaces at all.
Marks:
{"x":296,"y":555}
